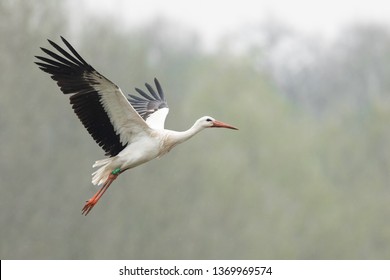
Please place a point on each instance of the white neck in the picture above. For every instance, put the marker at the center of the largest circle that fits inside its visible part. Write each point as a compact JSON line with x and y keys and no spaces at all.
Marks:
{"x":172,"y":138}
{"x":180,"y":136}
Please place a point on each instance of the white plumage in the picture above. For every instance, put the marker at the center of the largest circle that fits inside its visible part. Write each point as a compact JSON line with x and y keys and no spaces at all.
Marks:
{"x":131,"y":131}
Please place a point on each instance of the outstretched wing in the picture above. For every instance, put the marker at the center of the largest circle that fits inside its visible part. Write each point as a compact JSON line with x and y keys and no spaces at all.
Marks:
{"x":99,"y":103}
{"x":153,"y":107}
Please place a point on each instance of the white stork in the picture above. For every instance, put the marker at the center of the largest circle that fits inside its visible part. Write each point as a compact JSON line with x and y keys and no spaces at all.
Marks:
{"x":130,"y":130}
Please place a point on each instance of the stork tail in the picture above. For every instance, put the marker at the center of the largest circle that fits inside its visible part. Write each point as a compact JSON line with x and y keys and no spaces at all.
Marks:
{"x":101,"y":175}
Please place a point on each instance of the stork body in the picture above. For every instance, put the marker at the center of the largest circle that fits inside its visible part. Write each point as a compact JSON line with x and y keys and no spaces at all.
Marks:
{"x":130,"y":130}
{"x":155,"y":144}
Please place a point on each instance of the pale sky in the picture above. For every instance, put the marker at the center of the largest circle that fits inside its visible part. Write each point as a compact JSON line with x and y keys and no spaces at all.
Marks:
{"x":212,"y":19}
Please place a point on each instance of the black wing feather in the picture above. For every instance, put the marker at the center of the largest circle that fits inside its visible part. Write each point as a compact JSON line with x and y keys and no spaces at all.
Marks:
{"x":72,"y":76}
{"x":150,"y":103}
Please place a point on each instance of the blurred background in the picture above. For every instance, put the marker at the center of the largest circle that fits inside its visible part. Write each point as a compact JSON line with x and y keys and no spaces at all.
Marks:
{"x":307,"y":176}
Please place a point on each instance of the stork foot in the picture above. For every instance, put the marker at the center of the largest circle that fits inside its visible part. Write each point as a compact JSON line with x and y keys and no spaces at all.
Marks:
{"x":88,"y":206}
{"x":94,"y":199}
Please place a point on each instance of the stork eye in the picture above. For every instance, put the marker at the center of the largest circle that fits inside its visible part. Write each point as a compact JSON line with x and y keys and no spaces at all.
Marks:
{"x":209,"y":120}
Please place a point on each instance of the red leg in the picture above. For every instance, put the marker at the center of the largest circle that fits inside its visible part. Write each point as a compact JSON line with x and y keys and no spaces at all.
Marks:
{"x":94,"y":199}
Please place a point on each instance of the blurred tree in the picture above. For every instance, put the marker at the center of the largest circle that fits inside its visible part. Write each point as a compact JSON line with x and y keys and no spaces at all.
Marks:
{"x":288,"y":184}
{"x":322,"y":77}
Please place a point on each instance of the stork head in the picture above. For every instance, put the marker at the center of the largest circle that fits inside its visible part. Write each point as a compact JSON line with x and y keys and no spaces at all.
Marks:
{"x":206,"y":122}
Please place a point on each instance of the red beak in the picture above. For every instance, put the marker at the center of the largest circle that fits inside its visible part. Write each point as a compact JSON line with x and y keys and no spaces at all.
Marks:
{"x":224,"y":125}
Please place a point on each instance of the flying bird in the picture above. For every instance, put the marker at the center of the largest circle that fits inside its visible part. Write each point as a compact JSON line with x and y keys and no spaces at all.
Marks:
{"x":129,"y":129}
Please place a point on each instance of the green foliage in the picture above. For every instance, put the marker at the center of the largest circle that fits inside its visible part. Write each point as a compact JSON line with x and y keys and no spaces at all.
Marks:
{"x":287,"y":185}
